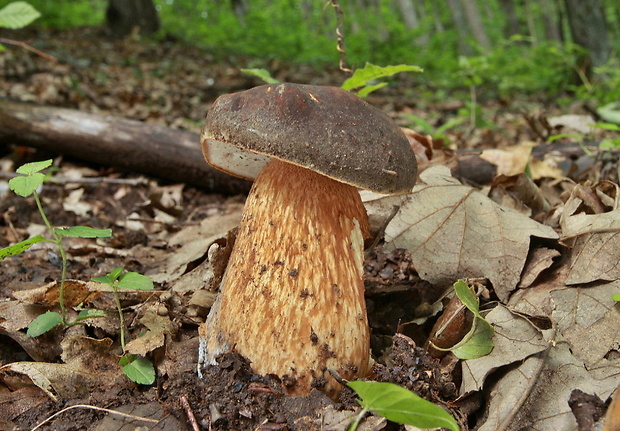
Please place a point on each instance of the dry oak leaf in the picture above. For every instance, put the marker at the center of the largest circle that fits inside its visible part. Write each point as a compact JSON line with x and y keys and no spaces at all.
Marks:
{"x":595,"y":240}
{"x":453,"y":231}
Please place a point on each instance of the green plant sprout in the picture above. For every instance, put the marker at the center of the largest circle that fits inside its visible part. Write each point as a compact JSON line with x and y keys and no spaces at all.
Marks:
{"x":399,"y":405}
{"x":361,"y":82}
{"x":423,"y":126}
{"x":137,"y":368}
{"x":478,"y":341}
{"x":26,"y":185}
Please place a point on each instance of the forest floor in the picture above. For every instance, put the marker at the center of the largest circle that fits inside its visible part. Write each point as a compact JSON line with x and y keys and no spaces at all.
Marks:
{"x":543,"y":273}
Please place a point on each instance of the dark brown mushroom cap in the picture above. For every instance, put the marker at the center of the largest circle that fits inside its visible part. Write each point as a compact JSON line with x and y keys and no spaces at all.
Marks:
{"x":326,"y":129}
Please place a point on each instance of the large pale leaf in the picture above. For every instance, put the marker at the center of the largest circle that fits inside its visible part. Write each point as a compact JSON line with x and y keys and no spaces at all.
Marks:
{"x":595,"y":240}
{"x":453,"y":231}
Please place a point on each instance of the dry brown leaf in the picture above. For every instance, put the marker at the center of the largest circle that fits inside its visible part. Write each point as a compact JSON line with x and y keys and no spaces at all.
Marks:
{"x":514,"y":340}
{"x":588,"y":319}
{"x":534,"y":395}
{"x":76,"y":292}
{"x":453,"y":231}
{"x":510,"y":160}
{"x":594,"y":238}
{"x":539,"y":260}
{"x":88,"y":363}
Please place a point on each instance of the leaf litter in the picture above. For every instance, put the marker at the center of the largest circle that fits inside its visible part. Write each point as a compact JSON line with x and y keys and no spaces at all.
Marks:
{"x":550,"y":270}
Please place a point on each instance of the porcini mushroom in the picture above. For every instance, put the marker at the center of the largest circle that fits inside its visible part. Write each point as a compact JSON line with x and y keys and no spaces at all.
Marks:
{"x":292,"y":296}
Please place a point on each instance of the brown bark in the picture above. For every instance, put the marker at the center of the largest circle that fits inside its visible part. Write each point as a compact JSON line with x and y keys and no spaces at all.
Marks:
{"x":154,"y":150}
{"x":588,"y":28}
{"x":125,"y":16}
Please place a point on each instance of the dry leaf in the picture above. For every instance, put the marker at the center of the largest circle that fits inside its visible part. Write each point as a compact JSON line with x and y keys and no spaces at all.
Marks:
{"x":534,"y":395}
{"x":595,"y":241}
{"x":453,"y":231}
{"x":515,"y":339}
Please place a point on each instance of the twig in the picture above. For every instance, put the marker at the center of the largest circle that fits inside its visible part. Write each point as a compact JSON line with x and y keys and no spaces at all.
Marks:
{"x":89,"y":180}
{"x":190,"y":414}
{"x":86,"y":406}
{"x":28,"y":47}
{"x":339,"y":33}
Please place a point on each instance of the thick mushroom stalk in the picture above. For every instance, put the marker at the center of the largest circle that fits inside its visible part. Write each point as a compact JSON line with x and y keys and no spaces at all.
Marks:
{"x":292,"y":297}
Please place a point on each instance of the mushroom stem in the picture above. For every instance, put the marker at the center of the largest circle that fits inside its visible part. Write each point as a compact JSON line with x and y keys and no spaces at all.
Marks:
{"x":292,"y":296}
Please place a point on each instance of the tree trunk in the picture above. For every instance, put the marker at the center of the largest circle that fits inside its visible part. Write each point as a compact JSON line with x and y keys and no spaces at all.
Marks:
{"x":126,"y":16}
{"x":460,"y":23}
{"x":158,"y":151}
{"x":474,"y":20}
{"x":513,"y":26}
{"x":410,"y":17}
{"x":551,"y":21}
{"x":588,"y":28}
{"x":531,"y":26}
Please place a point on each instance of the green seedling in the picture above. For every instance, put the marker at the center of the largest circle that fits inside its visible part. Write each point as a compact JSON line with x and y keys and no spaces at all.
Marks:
{"x":399,"y":405}
{"x":137,"y":368}
{"x":26,"y":185}
{"x":423,"y":126}
{"x":361,"y":82}
{"x":478,"y":341}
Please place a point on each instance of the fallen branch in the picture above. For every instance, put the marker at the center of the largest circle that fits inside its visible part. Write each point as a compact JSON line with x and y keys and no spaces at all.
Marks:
{"x":154,"y":150}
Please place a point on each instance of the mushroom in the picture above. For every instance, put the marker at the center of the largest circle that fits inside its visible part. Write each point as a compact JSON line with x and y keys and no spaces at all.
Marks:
{"x":292,"y":297}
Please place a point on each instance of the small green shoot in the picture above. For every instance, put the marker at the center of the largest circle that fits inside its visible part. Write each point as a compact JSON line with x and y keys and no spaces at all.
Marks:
{"x":362,"y":78}
{"x":478,"y":341}
{"x":423,"y":126}
{"x":360,"y":81}
{"x":26,"y":185}
{"x":399,"y":405}
{"x":262,"y":74}
{"x":138,"y":369}
{"x":616,"y":297}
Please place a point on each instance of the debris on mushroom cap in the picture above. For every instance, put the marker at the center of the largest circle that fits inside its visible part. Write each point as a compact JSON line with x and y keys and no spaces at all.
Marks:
{"x":326,"y":129}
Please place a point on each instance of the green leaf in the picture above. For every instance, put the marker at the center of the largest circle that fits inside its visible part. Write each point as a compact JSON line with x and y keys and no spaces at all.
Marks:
{"x":262,"y":74}
{"x":400,"y":405}
{"x":26,"y":185}
{"x":104,"y":279}
{"x":90,"y":314}
{"x":616,"y":296}
{"x":84,"y":232}
{"x":116,"y":273}
{"x":361,"y":77}
{"x":135,"y":281}
{"x":365,"y":91}
{"x":467,"y":296}
{"x":478,"y":341}
{"x":31,"y":168}
{"x":17,"y":15}
{"x":43,"y":323}
{"x":20,"y":247}
{"x":138,"y":369}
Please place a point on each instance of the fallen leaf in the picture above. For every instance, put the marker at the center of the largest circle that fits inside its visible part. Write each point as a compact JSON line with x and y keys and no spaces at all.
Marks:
{"x":534,"y":395}
{"x":588,"y":319}
{"x":537,"y":261}
{"x":515,"y":339}
{"x":453,"y":231}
